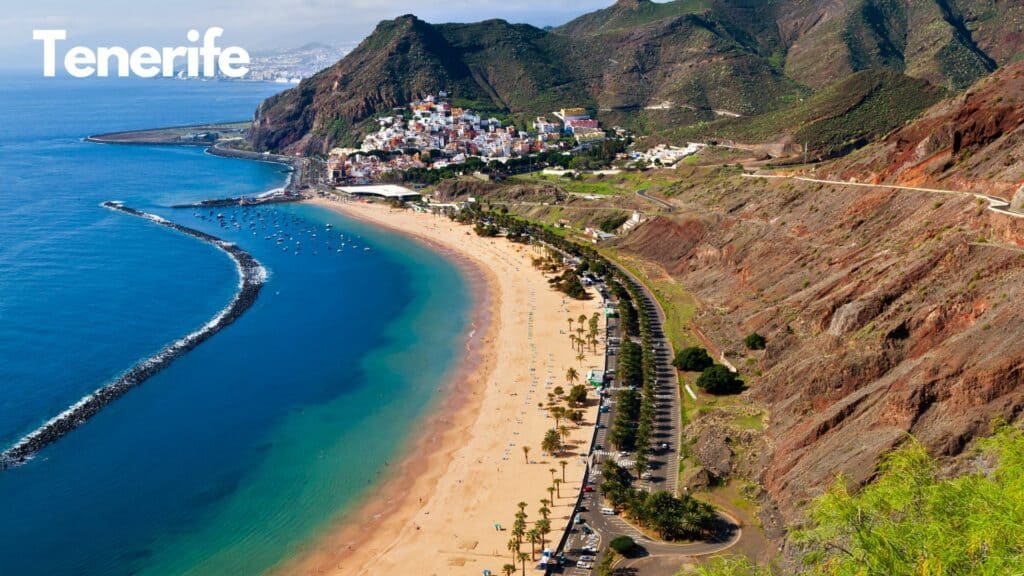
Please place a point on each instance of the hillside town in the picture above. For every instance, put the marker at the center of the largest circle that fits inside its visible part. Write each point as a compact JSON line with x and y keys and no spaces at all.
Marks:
{"x":432,"y":133}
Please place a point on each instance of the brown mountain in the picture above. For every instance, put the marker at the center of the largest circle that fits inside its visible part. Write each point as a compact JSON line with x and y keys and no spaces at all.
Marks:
{"x":973,"y":142}
{"x":697,"y":56}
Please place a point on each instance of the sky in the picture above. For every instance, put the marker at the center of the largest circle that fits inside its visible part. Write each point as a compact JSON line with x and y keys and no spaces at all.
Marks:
{"x":256,"y":25}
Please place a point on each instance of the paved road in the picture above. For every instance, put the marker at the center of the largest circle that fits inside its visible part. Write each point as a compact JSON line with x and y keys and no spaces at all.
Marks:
{"x":664,"y":461}
{"x":643,"y":194}
{"x":995,"y":204}
{"x":598,"y":529}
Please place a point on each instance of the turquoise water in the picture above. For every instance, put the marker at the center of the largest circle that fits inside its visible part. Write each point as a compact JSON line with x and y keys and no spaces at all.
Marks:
{"x":246,"y":446}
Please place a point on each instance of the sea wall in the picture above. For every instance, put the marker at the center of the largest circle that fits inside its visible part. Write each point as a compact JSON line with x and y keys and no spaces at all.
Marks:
{"x":251,"y":278}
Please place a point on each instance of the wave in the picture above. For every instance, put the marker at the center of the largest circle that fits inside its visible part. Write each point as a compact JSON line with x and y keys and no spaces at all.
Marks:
{"x":252,"y":275}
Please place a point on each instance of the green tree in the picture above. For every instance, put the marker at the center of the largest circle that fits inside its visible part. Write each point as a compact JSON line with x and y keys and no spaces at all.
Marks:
{"x":693,"y":359}
{"x":552,"y":442}
{"x":754,"y":341}
{"x":572,"y":376}
{"x":577,"y":395}
{"x":719,"y":380}
{"x":623,"y":545}
{"x":913,"y":520}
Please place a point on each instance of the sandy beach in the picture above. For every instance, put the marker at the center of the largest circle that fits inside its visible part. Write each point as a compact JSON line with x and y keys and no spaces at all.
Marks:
{"x":465,"y":471}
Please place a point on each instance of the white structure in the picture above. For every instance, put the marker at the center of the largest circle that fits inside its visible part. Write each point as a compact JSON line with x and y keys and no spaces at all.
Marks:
{"x":388,"y":191}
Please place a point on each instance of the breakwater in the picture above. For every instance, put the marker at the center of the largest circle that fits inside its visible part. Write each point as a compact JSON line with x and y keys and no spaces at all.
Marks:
{"x":251,"y":278}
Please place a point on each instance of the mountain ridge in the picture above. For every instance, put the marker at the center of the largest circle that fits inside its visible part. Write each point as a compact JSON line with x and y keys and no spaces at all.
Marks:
{"x":744,"y":56}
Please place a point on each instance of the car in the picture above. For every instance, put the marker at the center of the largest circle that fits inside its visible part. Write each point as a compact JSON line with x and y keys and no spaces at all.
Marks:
{"x":584,"y":565}
{"x":588,"y":488}
{"x":590,"y":549}
{"x":608,"y":511}
{"x":587,"y":558}
{"x":578,"y":519}
{"x":664,"y":445}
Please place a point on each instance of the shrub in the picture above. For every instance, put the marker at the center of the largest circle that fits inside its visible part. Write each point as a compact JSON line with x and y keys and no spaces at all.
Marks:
{"x":754,"y":341}
{"x":719,"y":380}
{"x":693,"y":359}
{"x":623,"y":545}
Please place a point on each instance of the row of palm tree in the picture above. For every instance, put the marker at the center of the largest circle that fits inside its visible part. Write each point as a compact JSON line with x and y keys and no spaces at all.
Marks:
{"x":537,"y":534}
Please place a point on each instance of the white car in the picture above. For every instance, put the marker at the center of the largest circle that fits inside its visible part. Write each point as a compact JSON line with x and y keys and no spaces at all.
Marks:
{"x":584,"y":565}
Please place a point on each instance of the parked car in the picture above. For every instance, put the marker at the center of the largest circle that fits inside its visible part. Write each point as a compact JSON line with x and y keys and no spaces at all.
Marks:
{"x":588,"y":488}
{"x":584,"y":565}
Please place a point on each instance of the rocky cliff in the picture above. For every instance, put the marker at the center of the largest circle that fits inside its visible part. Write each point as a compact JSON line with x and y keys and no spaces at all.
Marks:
{"x":973,"y":142}
{"x":886,"y":314}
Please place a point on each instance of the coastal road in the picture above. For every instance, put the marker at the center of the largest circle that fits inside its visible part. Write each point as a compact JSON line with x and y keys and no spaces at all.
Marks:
{"x":664,"y":457}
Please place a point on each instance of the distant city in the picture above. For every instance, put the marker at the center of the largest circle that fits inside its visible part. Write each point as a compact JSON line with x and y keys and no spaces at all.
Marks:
{"x":289,"y":66}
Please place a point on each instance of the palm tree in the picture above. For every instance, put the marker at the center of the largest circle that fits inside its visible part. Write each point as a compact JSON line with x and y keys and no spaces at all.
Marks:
{"x":557,"y":412}
{"x":552,"y":443}
{"x":570,"y":325}
{"x":563,"y":431}
{"x":508,"y":569}
{"x":522,"y":561}
{"x":526,"y":453}
{"x":522,"y":508}
{"x":513,"y":547}
{"x":581,"y":357}
{"x":571,"y":376}
{"x":558,"y":486}
{"x":544,"y":527}
{"x":551,"y":492}
{"x":544,"y":511}
{"x":559,"y":391}
{"x":563,"y":464}
{"x":533,"y":536}
{"x":582,"y":319}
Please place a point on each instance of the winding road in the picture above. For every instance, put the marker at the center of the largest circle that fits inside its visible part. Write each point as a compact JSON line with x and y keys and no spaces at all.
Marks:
{"x":995,"y":204}
{"x":642,"y":193}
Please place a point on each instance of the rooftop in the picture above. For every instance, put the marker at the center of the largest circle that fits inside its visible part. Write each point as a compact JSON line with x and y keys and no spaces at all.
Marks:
{"x":381,"y":190}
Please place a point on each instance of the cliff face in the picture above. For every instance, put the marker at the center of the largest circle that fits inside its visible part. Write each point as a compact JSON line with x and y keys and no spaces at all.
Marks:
{"x":886,"y":313}
{"x":972,"y":142}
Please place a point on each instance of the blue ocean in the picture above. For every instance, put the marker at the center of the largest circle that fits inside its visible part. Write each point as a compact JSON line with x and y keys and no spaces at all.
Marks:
{"x":243,"y":449}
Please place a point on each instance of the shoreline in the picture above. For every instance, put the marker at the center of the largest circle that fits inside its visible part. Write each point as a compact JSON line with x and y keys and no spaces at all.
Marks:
{"x":384,"y":505}
{"x":392,"y":524}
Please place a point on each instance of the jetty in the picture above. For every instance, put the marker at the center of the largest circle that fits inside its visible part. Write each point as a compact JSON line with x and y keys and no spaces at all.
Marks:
{"x":252,"y":275}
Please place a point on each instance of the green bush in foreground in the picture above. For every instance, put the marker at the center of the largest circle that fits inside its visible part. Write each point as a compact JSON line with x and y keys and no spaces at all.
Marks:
{"x":693,"y":359}
{"x":910,"y":522}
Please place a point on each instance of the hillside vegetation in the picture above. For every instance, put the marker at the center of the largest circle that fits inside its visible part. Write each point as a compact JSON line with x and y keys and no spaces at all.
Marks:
{"x":912,"y":522}
{"x":844,"y":116}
